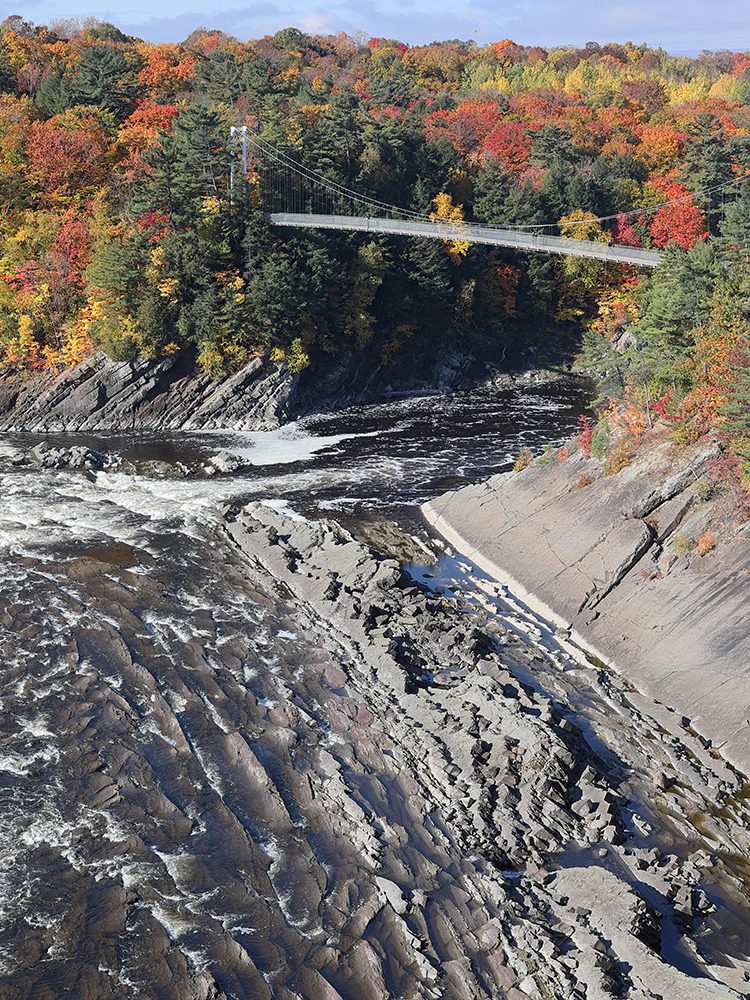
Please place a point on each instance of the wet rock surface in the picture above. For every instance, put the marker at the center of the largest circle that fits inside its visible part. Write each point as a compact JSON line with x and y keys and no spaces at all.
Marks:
{"x":516,"y":781}
{"x":46,"y":456}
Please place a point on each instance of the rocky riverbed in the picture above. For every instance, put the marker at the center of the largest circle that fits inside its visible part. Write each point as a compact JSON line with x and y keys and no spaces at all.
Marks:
{"x":377,"y":807}
{"x":249,"y":753}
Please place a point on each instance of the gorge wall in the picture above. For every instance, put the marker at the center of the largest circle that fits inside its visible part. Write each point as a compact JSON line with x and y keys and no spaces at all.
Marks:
{"x":105,"y":395}
{"x":175,"y":394}
{"x":607,"y":561}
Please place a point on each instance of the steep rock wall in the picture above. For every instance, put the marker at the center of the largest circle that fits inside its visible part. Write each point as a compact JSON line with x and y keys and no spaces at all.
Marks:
{"x":602,"y":561}
{"x":105,"y":395}
{"x":175,"y":394}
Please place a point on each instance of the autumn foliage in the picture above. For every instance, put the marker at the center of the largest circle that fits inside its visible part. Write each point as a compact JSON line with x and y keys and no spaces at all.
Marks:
{"x":119,"y":230}
{"x":678,"y":220}
{"x":65,"y":158}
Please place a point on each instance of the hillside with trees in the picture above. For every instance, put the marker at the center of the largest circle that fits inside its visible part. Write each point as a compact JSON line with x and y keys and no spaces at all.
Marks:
{"x":118,"y":231}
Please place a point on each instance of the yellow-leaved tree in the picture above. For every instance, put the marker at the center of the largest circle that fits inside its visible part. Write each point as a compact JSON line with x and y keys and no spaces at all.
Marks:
{"x":445,"y":211}
{"x":580,"y":225}
{"x":584,"y":276}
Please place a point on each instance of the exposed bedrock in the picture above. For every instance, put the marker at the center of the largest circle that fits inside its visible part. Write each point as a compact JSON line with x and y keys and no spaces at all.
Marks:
{"x":484,"y":787}
{"x":175,"y":394}
{"x":105,"y":395}
{"x":608,"y":562}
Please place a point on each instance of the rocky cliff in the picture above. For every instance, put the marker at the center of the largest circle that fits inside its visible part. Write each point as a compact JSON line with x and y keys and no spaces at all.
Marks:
{"x":617,"y":562}
{"x":176,"y":394}
{"x":105,"y":395}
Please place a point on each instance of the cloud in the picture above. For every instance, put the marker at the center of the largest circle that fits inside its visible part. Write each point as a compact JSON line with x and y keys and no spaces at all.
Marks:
{"x":677,"y":25}
{"x":413,"y":22}
{"x":172,"y":24}
{"x":244,"y":22}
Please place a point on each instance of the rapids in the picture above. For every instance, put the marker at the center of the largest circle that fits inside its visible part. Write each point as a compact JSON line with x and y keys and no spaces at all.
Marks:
{"x":163,"y":698}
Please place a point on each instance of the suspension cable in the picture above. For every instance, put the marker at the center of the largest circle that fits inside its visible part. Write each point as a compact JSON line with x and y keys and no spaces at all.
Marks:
{"x":305,"y":173}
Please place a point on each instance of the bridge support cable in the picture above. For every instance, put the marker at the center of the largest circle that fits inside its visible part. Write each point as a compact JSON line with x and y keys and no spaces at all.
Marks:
{"x":295,"y":195}
{"x":318,"y":191}
{"x":237,"y":136}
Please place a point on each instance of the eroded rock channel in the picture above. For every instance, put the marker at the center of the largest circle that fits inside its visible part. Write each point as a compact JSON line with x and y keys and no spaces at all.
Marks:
{"x":246,"y":755}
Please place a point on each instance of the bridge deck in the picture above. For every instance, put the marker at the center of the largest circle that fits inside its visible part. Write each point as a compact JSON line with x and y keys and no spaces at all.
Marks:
{"x":474,"y":234}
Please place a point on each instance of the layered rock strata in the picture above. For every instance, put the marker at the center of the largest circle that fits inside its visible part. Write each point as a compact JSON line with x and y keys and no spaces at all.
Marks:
{"x":615,"y":562}
{"x":501,"y":790}
{"x":105,"y":395}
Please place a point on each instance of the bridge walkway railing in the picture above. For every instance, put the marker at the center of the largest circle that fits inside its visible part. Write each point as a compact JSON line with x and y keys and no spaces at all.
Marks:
{"x":474,"y":234}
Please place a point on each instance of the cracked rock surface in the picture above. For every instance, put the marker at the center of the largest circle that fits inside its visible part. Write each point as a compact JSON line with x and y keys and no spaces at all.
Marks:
{"x":497,"y":778}
{"x":105,"y":395}
{"x":603,"y":560}
{"x":174,"y":393}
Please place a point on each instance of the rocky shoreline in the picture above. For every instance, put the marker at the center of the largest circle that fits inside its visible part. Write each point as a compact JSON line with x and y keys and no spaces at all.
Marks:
{"x":614,"y":561}
{"x":101,"y":395}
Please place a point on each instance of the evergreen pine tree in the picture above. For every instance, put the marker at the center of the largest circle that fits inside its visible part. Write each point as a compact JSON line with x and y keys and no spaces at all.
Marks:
{"x":734,"y":228}
{"x":189,"y":164}
{"x":220,"y":76}
{"x":676,"y":302}
{"x":556,"y":190}
{"x":160,"y":192}
{"x":102,"y":78}
{"x":552,"y":144}
{"x":492,"y":193}
{"x":201,"y":143}
{"x":707,"y":167}
{"x":736,"y":412}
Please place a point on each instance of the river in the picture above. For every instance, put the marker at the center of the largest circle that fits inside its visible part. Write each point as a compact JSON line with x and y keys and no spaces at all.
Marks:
{"x":160,"y":699}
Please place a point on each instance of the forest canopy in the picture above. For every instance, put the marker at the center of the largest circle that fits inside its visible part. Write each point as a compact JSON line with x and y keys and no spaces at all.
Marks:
{"x":118,"y":231}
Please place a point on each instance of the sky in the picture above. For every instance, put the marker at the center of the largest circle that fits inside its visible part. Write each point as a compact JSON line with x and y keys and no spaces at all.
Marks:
{"x":680,"y":26}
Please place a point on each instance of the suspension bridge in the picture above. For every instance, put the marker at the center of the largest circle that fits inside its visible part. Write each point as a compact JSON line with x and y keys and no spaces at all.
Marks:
{"x":297,"y":196}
